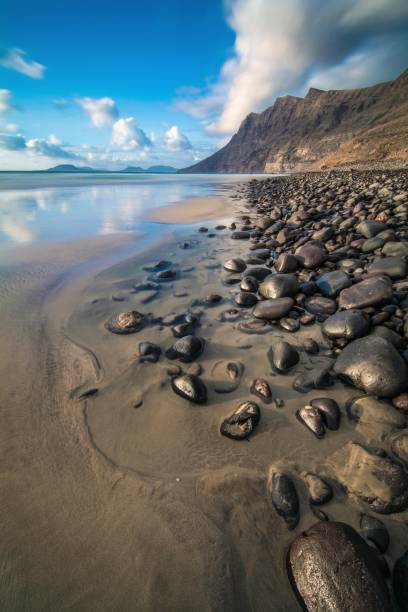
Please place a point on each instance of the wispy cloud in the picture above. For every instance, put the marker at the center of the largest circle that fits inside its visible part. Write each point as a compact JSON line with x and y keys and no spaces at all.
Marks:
{"x":5,"y":101}
{"x":51,"y":147}
{"x":128,"y":136}
{"x":102,"y":111}
{"x":16,"y":59}
{"x":281,"y":47}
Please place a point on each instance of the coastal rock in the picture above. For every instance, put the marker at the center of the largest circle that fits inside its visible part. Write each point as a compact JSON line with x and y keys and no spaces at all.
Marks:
{"x":249,"y":283}
{"x":332,"y":569}
{"x":318,"y":378}
{"x":186,"y":349}
{"x":283,"y":356}
{"x":319,"y":305}
{"x":369,"y":410}
{"x":261,"y":389}
{"x":394,"y":267}
{"x":286,"y":263}
{"x":149,"y":352}
{"x":397,"y":249}
{"x":284,"y":497}
{"x":331,"y":283}
{"x":245,"y":299}
{"x":369,"y":229}
{"x":348,"y":324}
{"x":320,"y":492}
{"x":374,"y":530}
{"x":368,"y":292}
{"x":258,"y":272}
{"x":373,"y":365}
{"x":329,"y":410}
{"x":242,"y":421}
{"x":279,"y":285}
{"x":235,"y":265}
{"x":190,"y":387}
{"x":400,"y":582}
{"x":165,"y":275}
{"x":399,"y":446}
{"x":312,"y":418}
{"x":126,"y":322}
{"x":310,"y":346}
{"x":240,"y":235}
{"x":273,"y":309}
{"x":310,"y":256}
{"x":373,"y":478}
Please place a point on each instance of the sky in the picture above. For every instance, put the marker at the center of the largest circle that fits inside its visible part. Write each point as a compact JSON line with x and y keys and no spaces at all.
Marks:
{"x":142,"y":83}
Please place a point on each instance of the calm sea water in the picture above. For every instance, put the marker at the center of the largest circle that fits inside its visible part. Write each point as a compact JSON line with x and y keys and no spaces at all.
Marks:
{"x":41,"y":207}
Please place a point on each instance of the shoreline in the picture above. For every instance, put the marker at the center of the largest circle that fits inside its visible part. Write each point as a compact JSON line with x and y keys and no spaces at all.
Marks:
{"x":192,"y":210}
{"x":174,"y":499}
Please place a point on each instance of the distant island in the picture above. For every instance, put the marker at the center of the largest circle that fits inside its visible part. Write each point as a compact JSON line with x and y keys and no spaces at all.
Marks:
{"x":128,"y":170}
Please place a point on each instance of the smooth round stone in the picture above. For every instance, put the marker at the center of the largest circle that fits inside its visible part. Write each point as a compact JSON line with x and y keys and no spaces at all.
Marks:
{"x":240,"y":235}
{"x":392,"y":248}
{"x":186,"y":349}
{"x":399,"y":446}
{"x":286,"y":263}
{"x":190,"y":387}
{"x":291,"y":325}
{"x":284,"y":498}
{"x":388,"y":334}
{"x":394,"y":267}
{"x":307,"y":318}
{"x":279,"y":285}
{"x":126,"y":322}
{"x":310,"y":256}
{"x":400,"y":582}
{"x":242,"y":421}
{"x":348,"y":324}
{"x":370,"y":411}
{"x":235,"y":265}
{"x":312,"y":418}
{"x":249,"y":283}
{"x":245,"y":299}
{"x":331,"y":283}
{"x":283,"y":356}
{"x":369,"y":229}
{"x":258,"y":272}
{"x":373,"y":365}
{"x":374,"y":530}
{"x":320,"y":492}
{"x":310,"y":346}
{"x":260,"y":387}
{"x":261,"y":253}
{"x":372,"y":477}
{"x":332,"y":568}
{"x":329,"y":411}
{"x":368,"y":292}
{"x":372,"y":244}
{"x":273,"y":309}
{"x":319,"y":305}
{"x":165,"y":275}
{"x":149,"y":352}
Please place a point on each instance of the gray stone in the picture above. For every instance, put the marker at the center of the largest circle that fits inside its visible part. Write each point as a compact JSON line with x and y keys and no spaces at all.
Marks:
{"x":331,"y":283}
{"x":368,"y":292}
{"x":319,"y":305}
{"x":348,"y":324}
{"x":273,"y":309}
{"x":279,"y":285}
{"x":394,"y":267}
{"x":369,"y":229}
{"x":310,"y":256}
{"x":399,"y":249}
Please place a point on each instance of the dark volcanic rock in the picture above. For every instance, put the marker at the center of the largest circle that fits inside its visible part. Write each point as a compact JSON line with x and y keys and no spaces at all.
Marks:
{"x":373,"y":365}
{"x":374,"y":530}
{"x":400,"y":582}
{"x":186,"y":349}
{"x":373,"y":478}
{"x":310,"y":256}
{"x":319,"y":305}
{"x":190,"y":387}
{"x":242,"y":421}
{"x":348,"y":324}
{"x":273,"y":309}
{"x":126,"y":322}
{"x":249,"y":283}
{"x":283,"y":356}
{"x":284,"y":498}
{"x":332,"y":569}
{"x":331,"y":283}
{"x":329,"y":411}
{"x":369,"y":292}
{"x":279,"y":285}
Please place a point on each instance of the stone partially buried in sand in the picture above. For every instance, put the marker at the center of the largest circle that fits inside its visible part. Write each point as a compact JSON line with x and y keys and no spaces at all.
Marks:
{"x":242,"y":421}
{"x":186,"y":349}
{"x":126,"y":322}
{"x":273,"y":309}
{"x":331,"y":568}
{"x":190,"y":387}
{"x":284,"y":497}
{"x":371,"y":477}
{"x":373,"y":365}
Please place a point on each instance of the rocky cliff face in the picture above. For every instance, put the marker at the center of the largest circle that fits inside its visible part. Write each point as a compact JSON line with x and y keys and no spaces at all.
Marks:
{"x":326,"y":129}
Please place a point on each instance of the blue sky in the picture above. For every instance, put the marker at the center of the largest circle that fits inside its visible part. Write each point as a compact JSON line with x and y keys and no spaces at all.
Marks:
{"x":111,"y":84}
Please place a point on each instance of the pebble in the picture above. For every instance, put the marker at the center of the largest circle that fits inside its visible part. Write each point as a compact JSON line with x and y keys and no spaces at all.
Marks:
{"x":260,"y":387}
{"x":273,"y":309}
{"x":284,"y":497}
{"x":186,"y":349}
{"x":149,"y":352}
{"x":312,"y":418}
{"x":320,"y":492}
{"x":190,"y":387}
{"x":126,"y":322}
{"x":242,"y":422}
{"x":283,"y":356}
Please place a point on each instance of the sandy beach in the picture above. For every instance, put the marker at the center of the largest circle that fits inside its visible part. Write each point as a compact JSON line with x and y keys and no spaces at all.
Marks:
{"x":118,"y":494}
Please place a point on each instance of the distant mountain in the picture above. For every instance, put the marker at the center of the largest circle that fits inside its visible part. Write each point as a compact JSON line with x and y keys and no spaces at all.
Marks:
{"x":129,"y":169}
{"x":72,"y":168}
{"x":326,"y":129}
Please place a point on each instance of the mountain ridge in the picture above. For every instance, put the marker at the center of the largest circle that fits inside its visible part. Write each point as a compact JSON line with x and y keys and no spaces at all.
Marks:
{"x":127,"y":170}
{"x":325,"y":129}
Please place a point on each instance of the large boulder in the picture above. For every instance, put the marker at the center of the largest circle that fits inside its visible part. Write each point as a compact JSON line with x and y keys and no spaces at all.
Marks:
{"x":372,"y":477}
{"x":373,"y":365}
{"x":332,"y":569}
{"x":279,"y":285}
{"x":347,"y":324}
{"x":368,"y":292}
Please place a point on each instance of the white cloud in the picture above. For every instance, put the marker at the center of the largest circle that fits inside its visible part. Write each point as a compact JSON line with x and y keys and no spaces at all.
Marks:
{"x":50,"y":147}
{"x":5,"y":101}
{"x":127,"y":136}
{"x":102,"y":111}
{"x":15,"y":59}
{"x":282,"y":46}
{"x":175,"y":140}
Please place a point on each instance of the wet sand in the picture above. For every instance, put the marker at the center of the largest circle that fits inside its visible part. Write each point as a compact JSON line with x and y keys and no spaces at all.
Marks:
{"x":130,"y":499}
{"x":192,"y":210}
